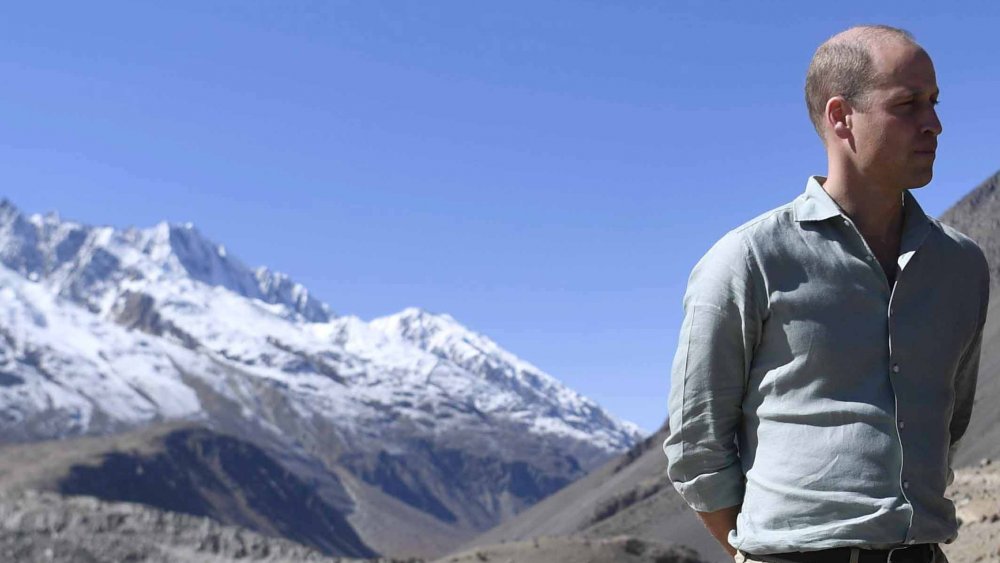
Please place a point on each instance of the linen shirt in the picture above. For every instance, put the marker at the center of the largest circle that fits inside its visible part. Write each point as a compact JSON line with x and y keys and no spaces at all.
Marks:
{"x":825,"y":401}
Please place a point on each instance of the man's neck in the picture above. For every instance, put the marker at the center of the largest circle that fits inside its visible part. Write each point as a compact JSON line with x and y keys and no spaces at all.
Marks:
{"x":877,"y":211}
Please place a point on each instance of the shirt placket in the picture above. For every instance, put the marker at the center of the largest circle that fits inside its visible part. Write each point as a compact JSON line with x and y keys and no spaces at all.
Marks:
{"x":895,"y":371}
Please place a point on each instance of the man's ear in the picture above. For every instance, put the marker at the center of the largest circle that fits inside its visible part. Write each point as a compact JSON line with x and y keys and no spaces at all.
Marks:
{"x":838,"y":116}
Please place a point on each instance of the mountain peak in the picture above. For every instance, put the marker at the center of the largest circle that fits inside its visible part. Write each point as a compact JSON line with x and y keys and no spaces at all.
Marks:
{"x":446,"y":338}
{"x":981,"y":195}
{"x":977,"y":215}
{"x":421,"y":327}
{"x":210,"y":263}
{"x":972,"y":201}
{"x":7,"y":204}
{"x":183,"y":245}
{"x":89,"y":262}
{"x":175,"y":234}
{"x":986,"y":190}
{"x":418,"y":315}
{"x":8,"y":210}
{"x":49,"y":220}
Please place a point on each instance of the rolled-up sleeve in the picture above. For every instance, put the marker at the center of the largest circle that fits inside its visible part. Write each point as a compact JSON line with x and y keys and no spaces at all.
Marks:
{"x":966,"y":375}
{"x":722,"y":322}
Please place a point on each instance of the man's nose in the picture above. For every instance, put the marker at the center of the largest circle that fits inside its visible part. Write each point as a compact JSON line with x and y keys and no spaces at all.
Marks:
{"x":932,"y":124}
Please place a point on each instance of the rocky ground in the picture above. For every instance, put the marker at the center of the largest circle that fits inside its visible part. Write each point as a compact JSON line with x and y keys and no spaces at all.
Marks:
{"x":49,"y":527}
{"x":619,"y":549}
{"x":976,"y":492}
{"x":648,"y":512}
{"x":44,"y":526}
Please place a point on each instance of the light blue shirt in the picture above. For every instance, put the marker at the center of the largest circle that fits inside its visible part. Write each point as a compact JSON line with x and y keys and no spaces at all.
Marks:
{"x":825,"y":401}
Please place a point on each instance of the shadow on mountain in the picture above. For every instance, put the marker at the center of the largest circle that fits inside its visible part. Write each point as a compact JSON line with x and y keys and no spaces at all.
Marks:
{"x":202,"y":473}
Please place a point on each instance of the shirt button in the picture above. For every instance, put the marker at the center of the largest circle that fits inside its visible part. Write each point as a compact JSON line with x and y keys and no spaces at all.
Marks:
{"x":906,"y":484}
{"x":911,"y":542}
{"x":868,"y":258}
{"x":895,"y":368}
{"x":902,"y":425}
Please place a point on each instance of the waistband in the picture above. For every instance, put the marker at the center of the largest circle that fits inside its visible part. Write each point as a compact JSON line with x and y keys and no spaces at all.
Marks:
{"x":921,"y":553}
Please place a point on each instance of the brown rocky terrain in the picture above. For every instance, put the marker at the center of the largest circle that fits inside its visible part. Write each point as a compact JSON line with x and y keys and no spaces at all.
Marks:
{"x":978,"y":216}
{"x":629,"y":496}
{"x":191,"y":470}
{"x":42,"y":526}
{"x":976,"y":492}
{"x":619,"y":549}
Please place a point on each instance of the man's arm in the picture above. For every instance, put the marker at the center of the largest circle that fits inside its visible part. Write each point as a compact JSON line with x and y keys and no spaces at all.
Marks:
{"x":719,"y":523}
{"x":722,"y":323}
{"x":966,"y":376}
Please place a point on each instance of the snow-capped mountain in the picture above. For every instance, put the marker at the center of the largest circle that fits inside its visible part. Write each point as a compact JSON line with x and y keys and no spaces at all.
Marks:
{"x":445,"y":338}
{"x":88,"y":264}
{"x":103,"y":330}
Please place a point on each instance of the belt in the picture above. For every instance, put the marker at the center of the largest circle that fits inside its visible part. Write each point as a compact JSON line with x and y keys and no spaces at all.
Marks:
{"x":923,"y":553}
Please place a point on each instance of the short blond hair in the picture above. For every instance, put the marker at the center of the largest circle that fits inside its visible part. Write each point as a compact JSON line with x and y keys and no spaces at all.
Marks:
{"x":843,"y":66}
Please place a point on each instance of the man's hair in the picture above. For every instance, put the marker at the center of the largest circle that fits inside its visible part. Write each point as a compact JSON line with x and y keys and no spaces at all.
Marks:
{"x":843,"y":66}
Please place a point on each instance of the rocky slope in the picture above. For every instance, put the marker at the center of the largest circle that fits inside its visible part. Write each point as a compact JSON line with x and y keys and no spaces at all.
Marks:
{"x":976,"y":492}
{"x":191,"y":470}
{"x":628,"y":496}
{"x":62,"y":529}
{"x":434,"y":432}
{"x":50,"y":527}
{"x":978,"y":215}
{"x":621,"y":549}
{"x":631,"y":497}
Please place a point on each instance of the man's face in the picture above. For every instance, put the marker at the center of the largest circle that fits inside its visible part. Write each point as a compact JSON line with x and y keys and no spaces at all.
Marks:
{"x":895,"y":133}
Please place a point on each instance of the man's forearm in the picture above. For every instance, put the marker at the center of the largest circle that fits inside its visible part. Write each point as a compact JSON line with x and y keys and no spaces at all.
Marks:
{"x":719,"y":523}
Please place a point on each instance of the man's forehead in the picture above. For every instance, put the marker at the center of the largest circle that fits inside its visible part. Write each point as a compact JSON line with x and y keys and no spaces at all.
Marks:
{"x":897,"y":91}
{"x":908,"y":84}
{"x":905,"y":67}
{"x":898,"y":55}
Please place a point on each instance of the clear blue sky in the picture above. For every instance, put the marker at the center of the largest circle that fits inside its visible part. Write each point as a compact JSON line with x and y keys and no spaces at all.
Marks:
{"x":547,"y":172}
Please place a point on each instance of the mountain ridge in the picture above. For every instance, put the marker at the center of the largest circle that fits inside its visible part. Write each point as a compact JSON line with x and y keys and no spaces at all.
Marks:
{"x":105,"y":330}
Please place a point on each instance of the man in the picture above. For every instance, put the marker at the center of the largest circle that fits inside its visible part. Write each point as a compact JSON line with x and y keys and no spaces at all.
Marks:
{"x":828,"y":357}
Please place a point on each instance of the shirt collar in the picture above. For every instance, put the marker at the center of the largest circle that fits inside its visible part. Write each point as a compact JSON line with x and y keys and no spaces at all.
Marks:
{"x":816,"y":205}
{"x":916,"y":226}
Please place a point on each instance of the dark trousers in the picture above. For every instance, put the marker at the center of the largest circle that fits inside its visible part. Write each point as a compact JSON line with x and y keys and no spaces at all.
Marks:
{"x":924,"y":554}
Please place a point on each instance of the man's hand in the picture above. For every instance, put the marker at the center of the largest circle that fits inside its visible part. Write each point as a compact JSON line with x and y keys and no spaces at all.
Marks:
{"x":719,"y":523}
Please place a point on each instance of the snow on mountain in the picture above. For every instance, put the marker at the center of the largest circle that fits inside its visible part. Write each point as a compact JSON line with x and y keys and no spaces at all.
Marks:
{"x":103,"y":330}
{"x":551,"y":406}
{"x":205,"y":299}
{"x":88,"y":264}
{"x":62,"y":368}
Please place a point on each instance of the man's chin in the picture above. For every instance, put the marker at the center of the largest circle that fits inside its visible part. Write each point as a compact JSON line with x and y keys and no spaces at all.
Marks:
{"x":922,"y":179}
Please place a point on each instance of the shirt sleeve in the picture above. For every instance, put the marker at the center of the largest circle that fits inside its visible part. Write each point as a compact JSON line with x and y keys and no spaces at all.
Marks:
{"x":966,"y":376}
{"x":708,"y":377}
